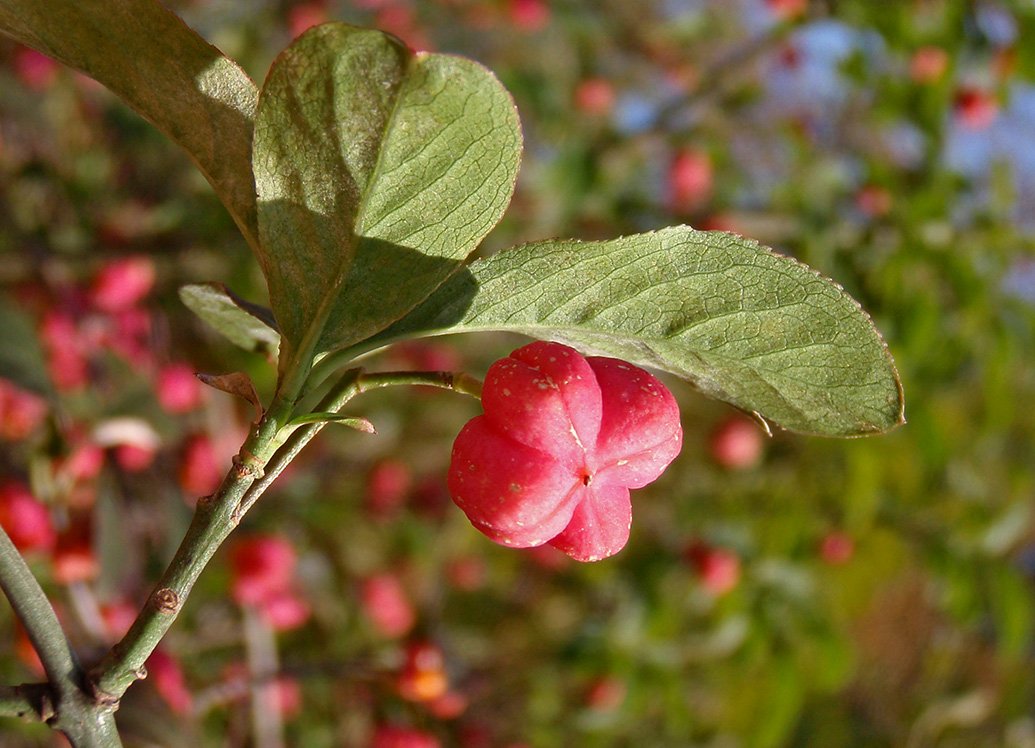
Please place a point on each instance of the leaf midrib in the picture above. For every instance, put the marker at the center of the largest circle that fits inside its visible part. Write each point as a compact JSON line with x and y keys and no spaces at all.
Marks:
{"x":359,"y":224}
{"x":346,"y":260}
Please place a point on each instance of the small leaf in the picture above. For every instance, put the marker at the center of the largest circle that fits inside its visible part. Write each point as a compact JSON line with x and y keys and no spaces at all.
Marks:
{"x":247,"y":325}
{"x":21,"y":357}
{"x":742,"y":323}
{"x":378,"y":171}
{"x":236,"y":383}
{"x":353,"y":422}
{"x":165,"y":71}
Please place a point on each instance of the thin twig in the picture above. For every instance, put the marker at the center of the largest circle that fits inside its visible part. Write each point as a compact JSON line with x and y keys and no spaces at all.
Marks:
{"x":214,"y":518}
{"x":84,"y":718}
{"x":343,"y":391}
{"x":255,"y":469}
{"x":37,"y":616}
{"x":28,"y":701}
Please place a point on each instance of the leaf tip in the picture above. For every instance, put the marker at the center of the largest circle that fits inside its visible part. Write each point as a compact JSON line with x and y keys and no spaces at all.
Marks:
{"x":236,"y":383}
{"x":362,"y":424}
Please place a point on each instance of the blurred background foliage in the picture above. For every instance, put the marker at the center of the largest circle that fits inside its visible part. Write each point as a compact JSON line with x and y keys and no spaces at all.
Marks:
{"x":776,"y":592}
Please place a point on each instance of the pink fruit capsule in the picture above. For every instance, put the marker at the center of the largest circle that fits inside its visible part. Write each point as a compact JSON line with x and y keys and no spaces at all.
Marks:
{"x":393,"y":736}
{"x":423,"y":675}
{"x":21,"y":412}
{"x":26,"y":520}
{"x":200,"y":468}
{"x":122,"y":283}
{"x":595,"y":96}
{"x":718,"y":569}
{"x":166,"y":672}
{"x":387,"y":485}
{"x":261,"y":566}
{"x":975,"y":108}
{"x":786,"y":10}
{"x":928,"y":64}
{"x":562,"y":441}
{"x":177,"y":388}
{"x":690,"y":178}
{"x":386,"y":605}
{"x":37,"y":71}
{"x":286,"y":696}
{"x":837,"y":548}
{"x":529,"y":15}
{"x":285,"y":610}
{"x":737,"y":444}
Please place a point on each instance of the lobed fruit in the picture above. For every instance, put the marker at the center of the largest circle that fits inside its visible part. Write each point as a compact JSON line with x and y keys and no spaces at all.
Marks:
{"x":562,"y":440}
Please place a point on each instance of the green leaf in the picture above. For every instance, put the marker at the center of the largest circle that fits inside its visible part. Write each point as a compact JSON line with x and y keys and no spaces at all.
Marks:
{"x":247,"y":325}
{"x":742,"y":323}
{"x":162,"y":69}
{"x":353,"y":422}
{"x":378,"y":171}
{"x":21,"y":357}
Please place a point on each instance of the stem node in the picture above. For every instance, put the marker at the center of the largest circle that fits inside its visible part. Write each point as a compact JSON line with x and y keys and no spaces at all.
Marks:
{"x":166,"y":601}
{"x":109,"y":702}
{"x":247,"y":465}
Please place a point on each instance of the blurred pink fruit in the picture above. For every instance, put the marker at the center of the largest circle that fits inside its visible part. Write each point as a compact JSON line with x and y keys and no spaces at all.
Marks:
{"x":976,"y":109}
{"x":873,"y":201}
{"x":73,"y":559}
{"x":737,"y":444}
{"x":21,"y":411}
{"x":166,"y":673}
{"x":928,"y":64}
{"x":83,"y":462}
{"x":386,"y":605}
{"x":399,"y":19}
{"x":690,"y":179}
{"x":34,"y":69}
{"x":718,"y":569}
{"x":118,"y":616}
{"x":305,"y":16}
{"x":260,"y":566}
{"x":177,"y":388}
{"x":606,"y":694}
{"x":121,"y":284}
{"x":595,"y":96}
{"x":529,"y":15}
{"x":200,"y":470}
{"x":393,"y":736}
{"x":467,"y":573}
{"x":423,"y":674}
{"x":287,"y":696}
{"x":284,"y":610}
{"x":449,"y":705}
{"x":837,"y":548}
{"x":387,"y":485}
{"x":25,"y":520}
{"x":787,"y":10}
{"x":133,"y":458}
{"x":67,"y":363}
{"x":423,"y":356}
